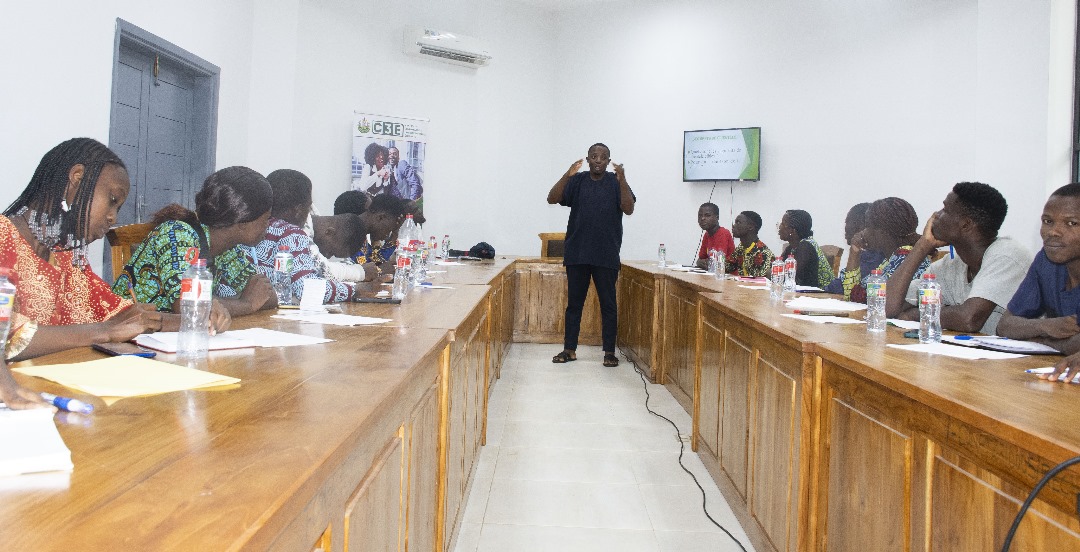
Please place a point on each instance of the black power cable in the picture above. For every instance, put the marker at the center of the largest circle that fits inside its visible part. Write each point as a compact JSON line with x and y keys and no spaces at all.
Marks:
{"x":1031,"y":498}
{"x":682,"y":449}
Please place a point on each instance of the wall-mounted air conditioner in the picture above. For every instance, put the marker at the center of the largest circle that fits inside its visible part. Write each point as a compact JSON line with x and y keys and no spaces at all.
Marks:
{"x":444,"y":46}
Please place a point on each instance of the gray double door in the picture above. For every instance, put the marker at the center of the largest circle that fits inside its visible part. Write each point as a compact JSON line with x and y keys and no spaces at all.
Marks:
{"x":152,"y":131}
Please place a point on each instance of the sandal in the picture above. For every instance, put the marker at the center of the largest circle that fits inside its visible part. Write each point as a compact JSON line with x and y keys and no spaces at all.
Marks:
{"x":563,"y":358}
{"x":610,"y":360}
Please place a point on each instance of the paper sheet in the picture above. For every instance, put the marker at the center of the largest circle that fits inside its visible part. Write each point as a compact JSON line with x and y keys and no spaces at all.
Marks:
{"x":905,"y":324}
{"x":262,"y":337}
{"x":956,"y":352}
{"x":31,"y":443}
{"x":754,"y":287}
{"x":447,"y":263}
{"x":825,"y":319}
{"x":818,"y":304}
{"x":166,"y":341}
{"x":314,"y":292}
{"x":431,"y":286}
{"x":126,"y":376}
{"x":335,"y":319}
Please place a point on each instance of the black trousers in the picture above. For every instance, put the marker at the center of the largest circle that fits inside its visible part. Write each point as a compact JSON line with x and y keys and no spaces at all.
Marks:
{"x":577,"y":289}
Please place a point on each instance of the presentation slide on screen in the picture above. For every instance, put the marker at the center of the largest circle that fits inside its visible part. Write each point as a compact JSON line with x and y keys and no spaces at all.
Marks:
{"x":724,"y":154}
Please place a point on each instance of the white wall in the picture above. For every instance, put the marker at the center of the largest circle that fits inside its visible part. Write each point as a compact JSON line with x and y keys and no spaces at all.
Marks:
{"x":857,"y":100}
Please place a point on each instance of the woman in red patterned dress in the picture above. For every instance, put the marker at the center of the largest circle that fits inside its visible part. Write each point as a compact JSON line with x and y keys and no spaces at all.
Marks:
{"x":72,"y":200}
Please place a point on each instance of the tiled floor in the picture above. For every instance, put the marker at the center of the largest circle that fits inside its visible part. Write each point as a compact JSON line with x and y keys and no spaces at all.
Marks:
{"x":573,"y":462}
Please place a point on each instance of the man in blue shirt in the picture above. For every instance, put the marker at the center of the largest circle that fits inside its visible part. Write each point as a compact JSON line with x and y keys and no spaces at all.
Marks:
{"x":1044,"y":307}
{"x":597,"y":200}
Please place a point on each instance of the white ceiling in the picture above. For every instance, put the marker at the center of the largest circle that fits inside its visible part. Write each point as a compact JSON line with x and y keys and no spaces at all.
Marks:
{"x":556,"y":5}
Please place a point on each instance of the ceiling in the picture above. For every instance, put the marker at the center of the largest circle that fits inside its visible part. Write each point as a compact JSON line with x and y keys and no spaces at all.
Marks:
{"x":556,"y":5}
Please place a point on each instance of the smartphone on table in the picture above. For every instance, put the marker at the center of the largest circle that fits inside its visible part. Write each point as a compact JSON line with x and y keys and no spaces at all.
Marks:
{"x":121,"y":349}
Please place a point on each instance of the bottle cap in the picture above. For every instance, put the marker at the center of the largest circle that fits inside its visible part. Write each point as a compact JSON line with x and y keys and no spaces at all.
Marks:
{"x":282,"y":247}
{"x":876,"y":272}
{"x":201,"y":263}
{"x":5,"y":271}
{"x":929,"y":276}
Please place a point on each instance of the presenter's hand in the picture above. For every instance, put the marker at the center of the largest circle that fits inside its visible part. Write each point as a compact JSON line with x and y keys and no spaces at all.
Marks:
{"x":618,"y":170}
{"x":575,"y":167}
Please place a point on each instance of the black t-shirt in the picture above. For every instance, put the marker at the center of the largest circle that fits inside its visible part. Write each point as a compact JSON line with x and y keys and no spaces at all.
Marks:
{"x":594,"y":230}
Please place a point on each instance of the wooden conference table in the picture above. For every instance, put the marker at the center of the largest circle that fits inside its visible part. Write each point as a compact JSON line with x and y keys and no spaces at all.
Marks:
{"x":819,"y":436}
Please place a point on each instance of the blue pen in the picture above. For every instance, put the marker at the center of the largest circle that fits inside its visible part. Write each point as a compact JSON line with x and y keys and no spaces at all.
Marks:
{"x":71,"y":405}
{"x":952,"y":253}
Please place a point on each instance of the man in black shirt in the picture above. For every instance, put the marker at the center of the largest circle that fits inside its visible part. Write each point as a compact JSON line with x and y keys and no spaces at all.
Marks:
{"x":597,"y":200}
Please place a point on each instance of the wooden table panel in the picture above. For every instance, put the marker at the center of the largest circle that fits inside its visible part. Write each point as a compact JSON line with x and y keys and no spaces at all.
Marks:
{"x":220,"y":457}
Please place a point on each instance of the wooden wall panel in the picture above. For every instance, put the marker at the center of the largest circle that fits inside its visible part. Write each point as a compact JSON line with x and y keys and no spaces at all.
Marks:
{"x":680,"y":340}
{"x":735,"y":414}
{"x":541,"y":306}
{"x":373,"y":516}
{"x":423,"y":470}
{"x":775,"y":452}
{"x":711,"y":357}
{"x":869,"y":484}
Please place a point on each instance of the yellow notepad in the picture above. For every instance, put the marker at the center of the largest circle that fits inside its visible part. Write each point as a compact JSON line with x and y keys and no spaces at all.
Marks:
{"x":126,"y":376}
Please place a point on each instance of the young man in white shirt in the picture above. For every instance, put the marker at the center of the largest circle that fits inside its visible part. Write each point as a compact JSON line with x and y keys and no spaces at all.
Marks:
{"x":981,"y":274}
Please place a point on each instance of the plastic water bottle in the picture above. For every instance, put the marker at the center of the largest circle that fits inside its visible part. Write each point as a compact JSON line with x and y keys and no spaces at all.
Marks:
{"x":789,"y":274}
{"x":721,"y":265}
{"x":401,"y":277}
{"x":661,"y":255}
{"x":283,"y":263}
{"x":875,"y":302}
{"x":7,"y":301}
{"x":409,"y":246}
{"x":711,"y":267}
{"x":445,"y":253}
{"x":776,"y":271}
{"x":929,"y":310}
{"x":196,"y":290}
{"x":421,"y":268}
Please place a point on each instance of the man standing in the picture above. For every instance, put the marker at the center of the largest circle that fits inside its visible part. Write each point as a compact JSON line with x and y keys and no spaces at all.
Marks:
{"x":716,"y":237}
{"x":980,"y":279}
{"x":597,"y":200}
{"x":404,"y":182}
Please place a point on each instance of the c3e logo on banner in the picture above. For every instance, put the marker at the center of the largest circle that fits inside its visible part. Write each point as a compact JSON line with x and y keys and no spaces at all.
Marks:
{"x":386,"y":128}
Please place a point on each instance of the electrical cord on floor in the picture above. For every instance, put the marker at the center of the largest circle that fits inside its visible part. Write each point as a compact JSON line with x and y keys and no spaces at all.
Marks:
{"x":1031,"y":498}
{"x":682,"y":449}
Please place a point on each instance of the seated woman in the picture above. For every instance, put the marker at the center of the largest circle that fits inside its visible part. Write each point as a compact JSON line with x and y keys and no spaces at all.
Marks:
{"x":812,"y":268}
{"x":336,"y":236}
{"x":861,"y":261}
{"x":891,"y":229}
{"x":72,"y":199}
{"x":232,"y":209}
{"x":752,"y":257}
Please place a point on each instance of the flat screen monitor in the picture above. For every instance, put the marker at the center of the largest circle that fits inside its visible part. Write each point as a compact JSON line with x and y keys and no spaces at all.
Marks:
{"x":722,"y":154}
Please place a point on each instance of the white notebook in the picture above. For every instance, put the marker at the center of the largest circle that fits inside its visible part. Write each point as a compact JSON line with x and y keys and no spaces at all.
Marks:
{"x":166,"y":342}
{"x":31,"y":443}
